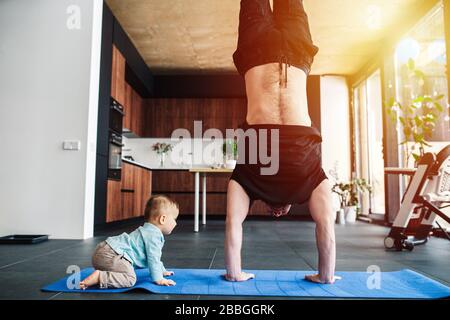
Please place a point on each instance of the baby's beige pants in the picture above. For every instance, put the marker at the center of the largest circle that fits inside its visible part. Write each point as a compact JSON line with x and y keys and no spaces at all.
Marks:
{"x":115,"y":270}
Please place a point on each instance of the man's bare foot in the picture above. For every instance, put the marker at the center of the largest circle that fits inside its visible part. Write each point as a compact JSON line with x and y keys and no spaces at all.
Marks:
{"x":91,"y":280}
{"x":316,"y":278}
{"x":244,"y":276}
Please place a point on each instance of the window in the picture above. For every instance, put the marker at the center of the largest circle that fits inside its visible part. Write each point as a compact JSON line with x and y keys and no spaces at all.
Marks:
{"x":425,"y":45}
{"x":368,"y":142}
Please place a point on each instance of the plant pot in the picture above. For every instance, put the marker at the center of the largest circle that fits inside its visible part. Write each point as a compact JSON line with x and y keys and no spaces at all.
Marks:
{"x":350,"y":214}
{"x":340,"y":217}
{"x":230,"y":163}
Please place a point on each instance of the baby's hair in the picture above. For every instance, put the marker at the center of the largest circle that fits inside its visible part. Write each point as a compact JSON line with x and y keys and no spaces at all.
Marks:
{"x":157,"y":204}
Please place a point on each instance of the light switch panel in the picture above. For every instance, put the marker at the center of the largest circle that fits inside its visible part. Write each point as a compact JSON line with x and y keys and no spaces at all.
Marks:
{"x":72,"y":145}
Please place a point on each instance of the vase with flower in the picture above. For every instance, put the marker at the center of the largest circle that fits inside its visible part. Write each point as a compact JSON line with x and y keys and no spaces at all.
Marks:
{"x":162,"y":149}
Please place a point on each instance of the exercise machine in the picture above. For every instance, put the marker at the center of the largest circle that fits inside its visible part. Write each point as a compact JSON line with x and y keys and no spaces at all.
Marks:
{"x":428,"y":192}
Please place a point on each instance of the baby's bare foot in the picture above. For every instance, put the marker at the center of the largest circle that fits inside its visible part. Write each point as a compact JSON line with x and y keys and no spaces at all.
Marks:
{"x":244,"y":276}
{"x":91,"y":280}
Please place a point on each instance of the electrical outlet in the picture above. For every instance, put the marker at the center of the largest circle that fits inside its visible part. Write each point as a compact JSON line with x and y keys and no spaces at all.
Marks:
{"x":72,"y":145}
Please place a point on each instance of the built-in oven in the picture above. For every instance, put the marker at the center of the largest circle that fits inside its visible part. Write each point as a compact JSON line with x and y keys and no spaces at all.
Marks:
{"x":115,"y":140}
{"x":115,"y":116}
{"x":115,"y":156}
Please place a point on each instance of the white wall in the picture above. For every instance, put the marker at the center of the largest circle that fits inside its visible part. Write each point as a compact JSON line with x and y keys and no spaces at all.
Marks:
{"x":49,"y":83}
{"x":335,"y":126}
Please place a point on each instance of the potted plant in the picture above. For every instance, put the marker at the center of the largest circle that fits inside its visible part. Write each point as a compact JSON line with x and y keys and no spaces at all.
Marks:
{"x":417,"y":118}
{"x":162,"y":149}
{"x":230,"y":152}
{"x":348,"y":196}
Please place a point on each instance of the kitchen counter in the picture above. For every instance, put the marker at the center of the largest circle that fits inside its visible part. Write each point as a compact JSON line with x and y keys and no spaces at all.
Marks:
{"x":202,"y":169}
{"x":165,"y":168}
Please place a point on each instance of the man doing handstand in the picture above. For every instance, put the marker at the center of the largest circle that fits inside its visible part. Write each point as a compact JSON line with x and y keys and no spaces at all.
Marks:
{"x":274,"y":54}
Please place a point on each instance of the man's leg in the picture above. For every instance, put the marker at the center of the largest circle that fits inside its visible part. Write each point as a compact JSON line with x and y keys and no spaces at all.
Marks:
{"x":320,"y":206}
{"x":254,"y":18}
{"x":257,"y":35}
{"x":238,"y":203}
{"x":287,"y":10}
{"x":290,"y":16}
{"x":291,"y":19}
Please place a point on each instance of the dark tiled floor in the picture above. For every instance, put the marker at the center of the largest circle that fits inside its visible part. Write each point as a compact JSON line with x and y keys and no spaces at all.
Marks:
{"x":267,"y":245}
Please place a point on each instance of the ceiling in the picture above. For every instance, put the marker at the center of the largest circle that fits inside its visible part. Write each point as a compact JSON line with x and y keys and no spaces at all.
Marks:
{"x":200,"y":36}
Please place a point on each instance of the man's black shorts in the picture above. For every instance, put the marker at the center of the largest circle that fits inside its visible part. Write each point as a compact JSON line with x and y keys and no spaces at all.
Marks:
{"x":299,"y":171}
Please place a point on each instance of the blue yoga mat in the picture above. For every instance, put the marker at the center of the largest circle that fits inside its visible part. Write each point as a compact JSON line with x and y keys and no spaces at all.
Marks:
{"x":402,"y":284}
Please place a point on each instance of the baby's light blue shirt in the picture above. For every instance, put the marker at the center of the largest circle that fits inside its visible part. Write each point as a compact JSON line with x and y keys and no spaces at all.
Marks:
{"x":143,"y":248}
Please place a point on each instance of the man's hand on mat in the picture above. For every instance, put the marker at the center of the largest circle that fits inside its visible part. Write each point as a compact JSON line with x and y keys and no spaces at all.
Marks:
{"x":165,"y":282}
{"x":244,"y":276}
{"x":168,"y":273}
{"x":316,"y":278}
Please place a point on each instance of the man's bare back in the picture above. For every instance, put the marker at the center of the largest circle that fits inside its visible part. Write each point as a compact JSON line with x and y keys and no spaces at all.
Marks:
{"x":270,"y":102}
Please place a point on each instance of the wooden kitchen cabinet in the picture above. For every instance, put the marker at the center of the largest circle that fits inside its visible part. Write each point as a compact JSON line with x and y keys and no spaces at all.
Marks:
{"x":114,"y":203}
{"x":131,"y":101}
{"x":127,"y":107}
{"x":127,"y":190}
{"x":127,"y":181}
{"x":127,"y":198}
{"x":133,"y":108}
{"x":142,"y":191}
{"x":183,"y":181}
{"x":136,"y":113}
{"x":127,"y":204}
{"x":146,"y":188}
{"x":118,"y":76}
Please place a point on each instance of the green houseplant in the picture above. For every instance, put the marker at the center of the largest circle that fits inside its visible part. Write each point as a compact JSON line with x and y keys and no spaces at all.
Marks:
{"x":418,"y":118}
{"x":348,"y":196}
{"x":230,"y":153}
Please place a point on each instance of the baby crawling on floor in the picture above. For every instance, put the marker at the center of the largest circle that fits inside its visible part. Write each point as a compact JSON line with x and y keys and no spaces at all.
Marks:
{"x":115,"y":258}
